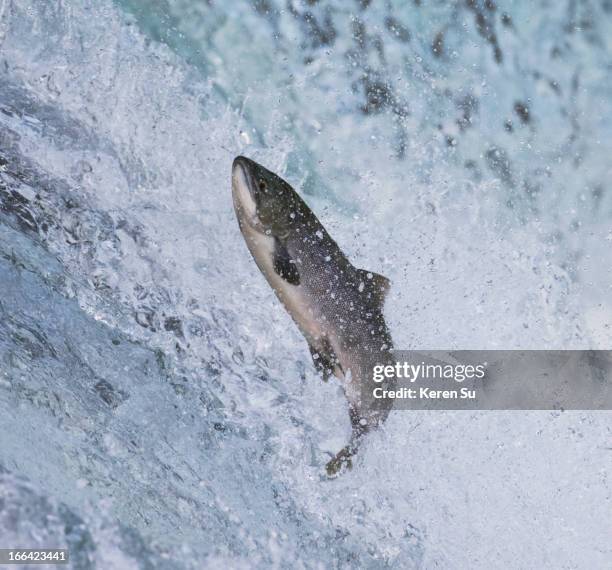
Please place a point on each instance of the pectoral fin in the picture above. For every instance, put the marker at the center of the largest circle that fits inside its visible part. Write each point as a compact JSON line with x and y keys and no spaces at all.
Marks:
{"x":284,"y":266}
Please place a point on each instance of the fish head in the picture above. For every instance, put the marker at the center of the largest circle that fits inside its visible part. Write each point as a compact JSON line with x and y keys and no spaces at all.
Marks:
{"x":263,"y":200}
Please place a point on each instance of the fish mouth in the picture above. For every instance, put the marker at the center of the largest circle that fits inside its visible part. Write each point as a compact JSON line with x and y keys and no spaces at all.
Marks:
{"x":244,"y":192}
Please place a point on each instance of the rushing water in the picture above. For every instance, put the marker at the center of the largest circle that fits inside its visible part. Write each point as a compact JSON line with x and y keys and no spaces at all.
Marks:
{"x":158,"y":408}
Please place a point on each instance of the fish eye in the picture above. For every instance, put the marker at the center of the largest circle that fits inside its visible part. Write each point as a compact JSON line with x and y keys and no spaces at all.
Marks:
{"x":262,"y":185}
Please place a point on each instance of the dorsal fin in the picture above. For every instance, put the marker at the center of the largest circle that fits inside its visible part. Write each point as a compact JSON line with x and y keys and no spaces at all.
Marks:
{"x":374,"y":285}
